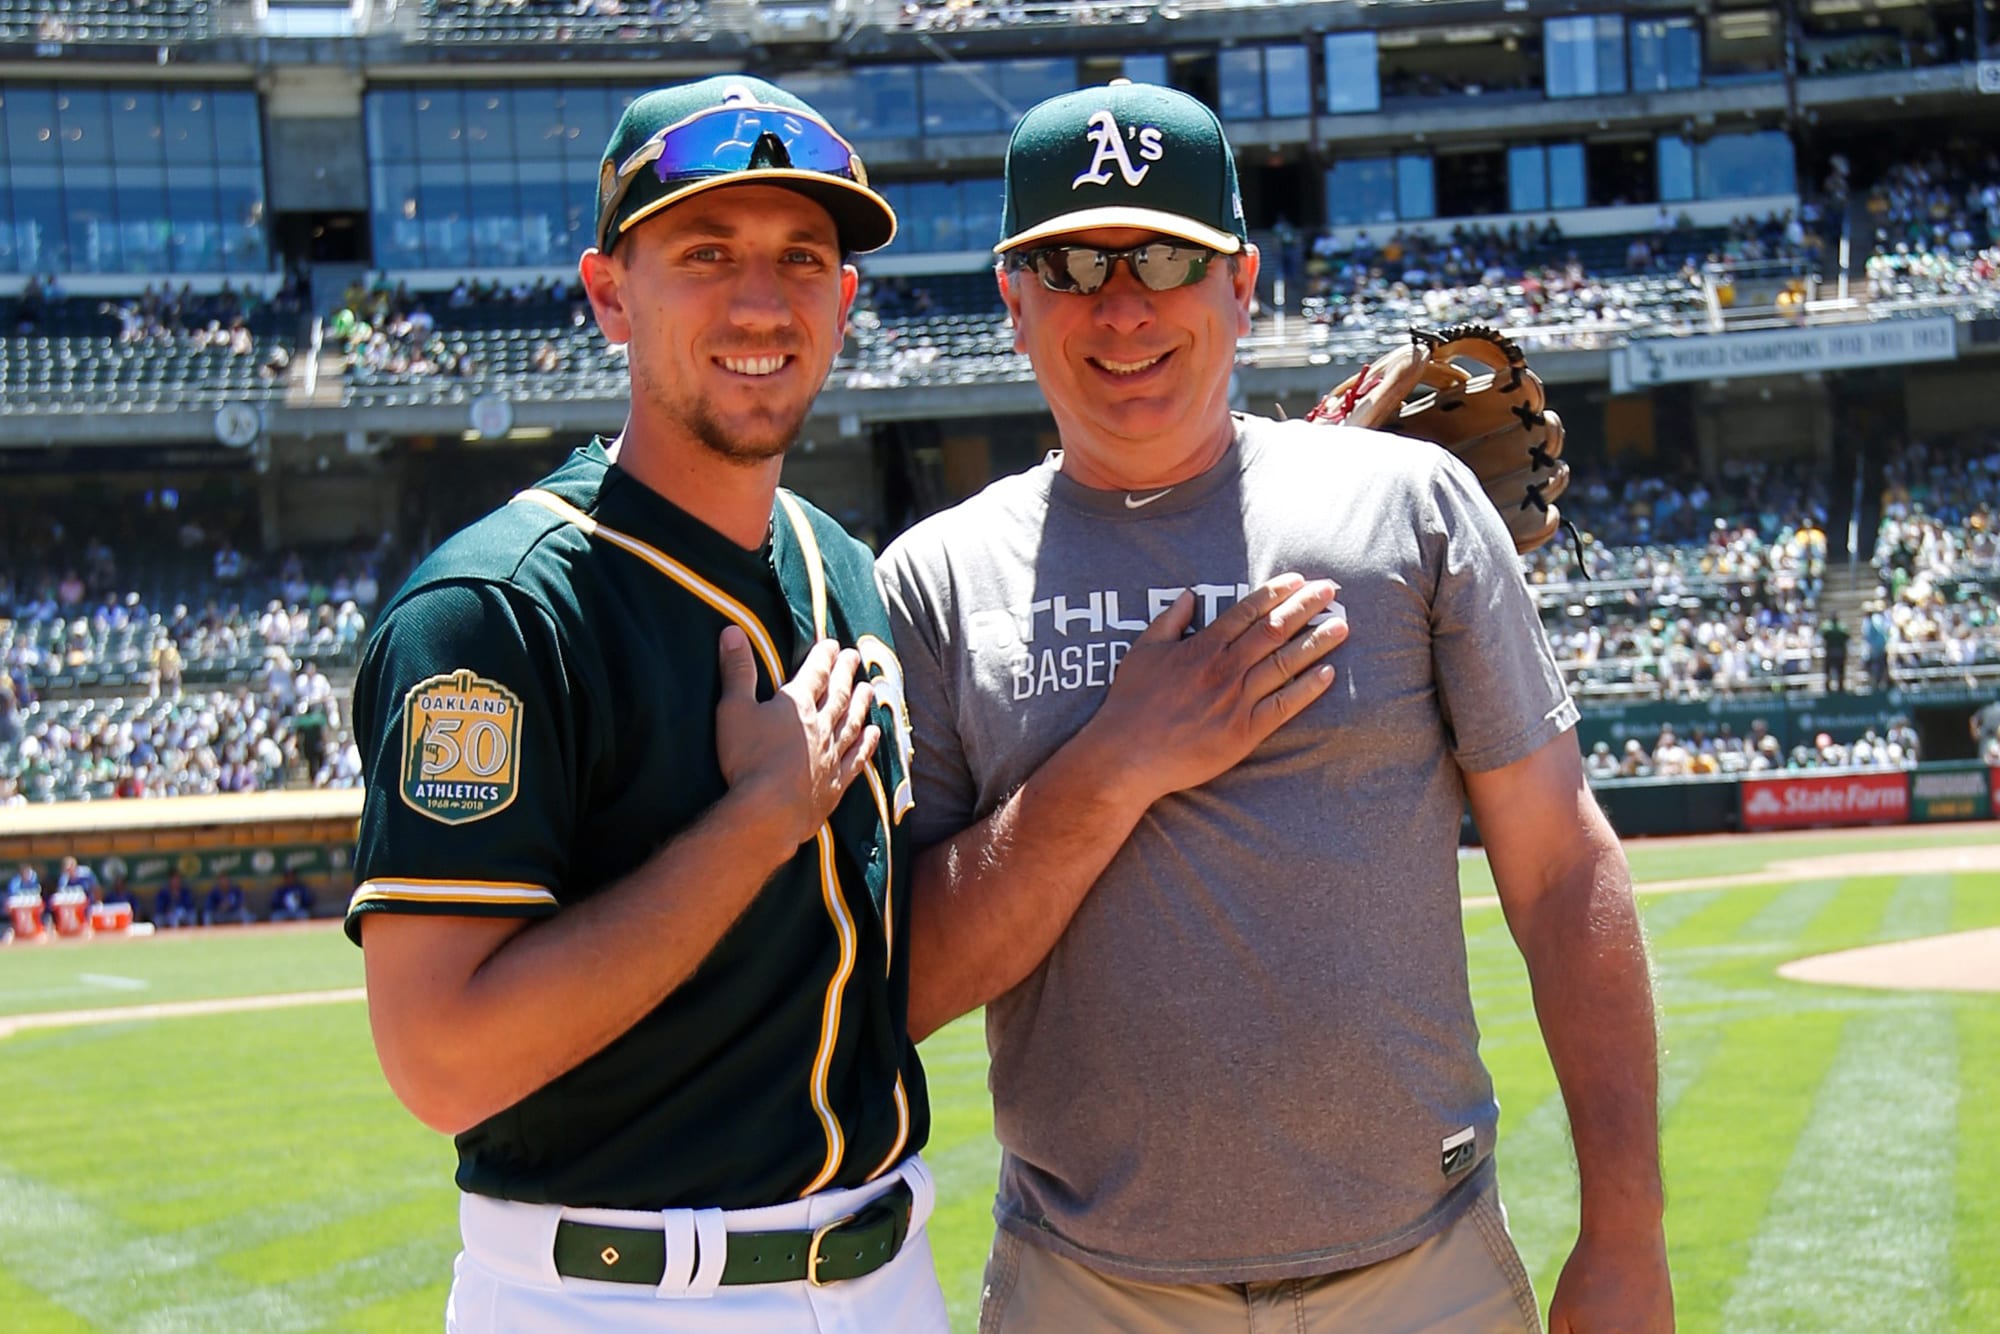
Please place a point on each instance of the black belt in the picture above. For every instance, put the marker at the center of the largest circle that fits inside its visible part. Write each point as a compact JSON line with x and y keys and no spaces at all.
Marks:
{"x":848,"y":1247}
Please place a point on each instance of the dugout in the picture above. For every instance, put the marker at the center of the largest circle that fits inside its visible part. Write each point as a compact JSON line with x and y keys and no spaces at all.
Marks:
{"x":254,"y":836}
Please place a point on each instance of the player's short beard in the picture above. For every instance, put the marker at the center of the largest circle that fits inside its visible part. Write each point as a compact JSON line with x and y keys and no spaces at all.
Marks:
{"x":703,"y":426}
{"x":696,"y":416}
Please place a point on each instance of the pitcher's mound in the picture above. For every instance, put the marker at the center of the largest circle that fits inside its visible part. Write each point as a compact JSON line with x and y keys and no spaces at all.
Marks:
{"x":1967,"y":961}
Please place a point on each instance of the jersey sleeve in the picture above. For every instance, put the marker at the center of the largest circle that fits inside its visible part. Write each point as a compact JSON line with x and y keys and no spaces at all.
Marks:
{"x":469,"y":748}
{"x":1499,"y":688}
{"x":941,"y":783}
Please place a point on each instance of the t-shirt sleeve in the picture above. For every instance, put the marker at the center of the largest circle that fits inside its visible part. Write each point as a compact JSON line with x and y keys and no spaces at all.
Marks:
{"x":1499,"y":688}
{"x":469,"y":752}
{"x":941,"y":782}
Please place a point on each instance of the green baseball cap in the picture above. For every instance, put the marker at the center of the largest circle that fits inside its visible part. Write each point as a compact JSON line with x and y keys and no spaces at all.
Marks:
{"x":1124,"y":155}
{"x":733,"y":130}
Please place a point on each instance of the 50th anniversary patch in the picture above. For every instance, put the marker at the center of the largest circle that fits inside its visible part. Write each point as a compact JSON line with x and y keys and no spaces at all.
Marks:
{"x":461,"y":747}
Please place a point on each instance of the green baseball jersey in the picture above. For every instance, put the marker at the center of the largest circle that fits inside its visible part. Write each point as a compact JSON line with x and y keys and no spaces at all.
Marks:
{"x":537,"y":707}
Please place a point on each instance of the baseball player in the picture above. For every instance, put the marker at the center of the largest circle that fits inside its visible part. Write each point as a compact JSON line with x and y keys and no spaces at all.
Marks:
{"x":631,"y":862}
{"x":1235,"y":1068}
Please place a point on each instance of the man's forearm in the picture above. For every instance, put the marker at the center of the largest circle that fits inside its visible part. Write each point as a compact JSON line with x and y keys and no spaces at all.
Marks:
{"x":990,"y":903}
{"x":1593,"y":997}
{"x":475,"y":1036}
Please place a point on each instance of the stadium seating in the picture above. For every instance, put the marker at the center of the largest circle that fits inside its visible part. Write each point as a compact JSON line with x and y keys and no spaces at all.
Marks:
{"x":531,"y":21}
{"x":149,"y":22}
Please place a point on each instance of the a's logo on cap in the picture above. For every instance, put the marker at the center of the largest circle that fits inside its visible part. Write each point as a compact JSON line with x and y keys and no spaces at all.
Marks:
{"x":1109,"y":147}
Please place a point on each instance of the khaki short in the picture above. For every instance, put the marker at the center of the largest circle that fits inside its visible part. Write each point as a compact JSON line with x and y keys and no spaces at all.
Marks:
{"x":1467,"y":1279}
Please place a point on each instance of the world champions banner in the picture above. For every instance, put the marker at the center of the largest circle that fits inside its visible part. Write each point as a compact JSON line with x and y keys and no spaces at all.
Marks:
{"x":1650,"y":361}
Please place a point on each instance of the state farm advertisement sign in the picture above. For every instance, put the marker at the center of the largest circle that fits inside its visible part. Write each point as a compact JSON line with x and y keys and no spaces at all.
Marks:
{"x":1832,"y":799}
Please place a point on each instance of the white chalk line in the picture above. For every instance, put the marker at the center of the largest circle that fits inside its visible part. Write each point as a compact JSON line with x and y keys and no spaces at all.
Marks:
{"x":121,"y":1014}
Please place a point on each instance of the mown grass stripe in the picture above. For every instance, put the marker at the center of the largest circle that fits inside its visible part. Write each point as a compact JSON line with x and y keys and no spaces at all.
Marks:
{"x":1858,"y":1235}
{"x":1975,"y":901}
{"x":1786,"y":916}
{"x":1721,"y":919}
{"x":1975,"y":1246}
{"x":1542,"y":1203}
{"x":1725,"y":1145}
{"x":27,"y":1308}
{"x":1920,"y":906}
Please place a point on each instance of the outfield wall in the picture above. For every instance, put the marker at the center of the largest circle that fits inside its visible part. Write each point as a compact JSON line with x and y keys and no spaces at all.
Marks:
{"x":1796,"y":799}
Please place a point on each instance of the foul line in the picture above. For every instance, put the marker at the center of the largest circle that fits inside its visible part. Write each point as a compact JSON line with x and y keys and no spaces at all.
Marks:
{"x":118,"y":1014}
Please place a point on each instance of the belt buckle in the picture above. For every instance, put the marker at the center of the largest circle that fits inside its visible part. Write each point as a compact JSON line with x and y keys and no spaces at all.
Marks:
{"x":813,"y":1256}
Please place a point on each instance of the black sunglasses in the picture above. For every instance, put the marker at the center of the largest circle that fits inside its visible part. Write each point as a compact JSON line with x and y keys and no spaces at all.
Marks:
{"x":1160,"y":265}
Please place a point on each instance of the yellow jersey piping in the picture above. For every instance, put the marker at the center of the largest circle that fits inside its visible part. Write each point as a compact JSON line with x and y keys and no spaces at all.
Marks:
{"x":830,"y":892}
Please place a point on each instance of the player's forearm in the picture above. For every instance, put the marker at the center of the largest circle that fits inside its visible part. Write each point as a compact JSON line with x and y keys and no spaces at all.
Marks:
{"x":988,"y":905}
{"x":1593,"y":996}
{"x":472,"y":1039}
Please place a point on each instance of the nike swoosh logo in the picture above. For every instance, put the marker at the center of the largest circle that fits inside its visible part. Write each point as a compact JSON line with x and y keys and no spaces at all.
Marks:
{"x":1133,"y":502}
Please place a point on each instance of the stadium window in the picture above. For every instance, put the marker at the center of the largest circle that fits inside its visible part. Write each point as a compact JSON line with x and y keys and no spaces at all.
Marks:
{"x":83,"y":123}
{"x":889,"y":100}
{"x":1567,"y":176}
{"x":31,"y":119}
{"x":493,"y":209}
{"x":538,"y":122}
{"x":1584,"y":56}
{"x":195,"y":239}
{"x":237,"y":137}
{"x":441,"y":213}
{"x":440,"y":125}
{"x":1150,"y":68}
{"x":239,"y":195}
{"x":1472,"y":183}
{"x":489,"y":125}
{"x":386,"y":122}
{"x":544,"y":208}
{"x":139,"y":200}
{"x":1361,"y":190}
{"x":1353,"y":73}
{"x":398,"y":237}
{"x":961,"y":98}
{"x":1026,"y":82}
{"x":588,"y":116}
{"x":981,"y":199}
{"x":1416,"y":186}
{"x":1736,"y":166}
{"x":93,"y":236}
{"x":1239,"y":74}
{"x":1287,"y":81}
{"x":1527,"y":179}
{"x":1666,"y":54}
{"x":1619,"y":172}
{"x":1676,"y":168}
{"x":136,"y":126}
{"x":190,"y":127}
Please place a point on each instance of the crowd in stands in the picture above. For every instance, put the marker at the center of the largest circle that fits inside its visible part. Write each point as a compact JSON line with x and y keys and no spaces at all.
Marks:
{"x":390,"y":330}
{"x":563,"y":20}
{"x":1701,"y":753}
{"x":1936,"y":224}
{"x":1937,"y":557}
{"x":110,"y":691}
{"x":961,"y":15}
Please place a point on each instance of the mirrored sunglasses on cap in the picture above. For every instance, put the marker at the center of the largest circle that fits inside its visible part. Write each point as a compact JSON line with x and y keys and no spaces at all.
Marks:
{"x":1160,"y":265}
{"x":734,"y":137}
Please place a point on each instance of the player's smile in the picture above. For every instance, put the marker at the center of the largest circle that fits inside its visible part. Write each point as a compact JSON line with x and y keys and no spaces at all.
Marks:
{"x":758,"y":367}
{"x":1136,"y":372}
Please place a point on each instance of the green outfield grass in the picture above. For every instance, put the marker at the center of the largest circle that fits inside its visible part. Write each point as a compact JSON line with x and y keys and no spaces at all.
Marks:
{"x":1828,"y":1150}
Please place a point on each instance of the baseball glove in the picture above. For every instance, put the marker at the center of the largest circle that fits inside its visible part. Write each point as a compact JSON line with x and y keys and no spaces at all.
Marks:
{"x":1495,"y":417}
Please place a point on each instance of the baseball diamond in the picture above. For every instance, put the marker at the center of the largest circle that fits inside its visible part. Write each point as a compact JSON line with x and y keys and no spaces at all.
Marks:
{"x":1824,"y":1145}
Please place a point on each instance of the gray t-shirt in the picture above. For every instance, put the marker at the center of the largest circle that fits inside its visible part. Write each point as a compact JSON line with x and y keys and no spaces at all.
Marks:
{"x":1252,"y":1054}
